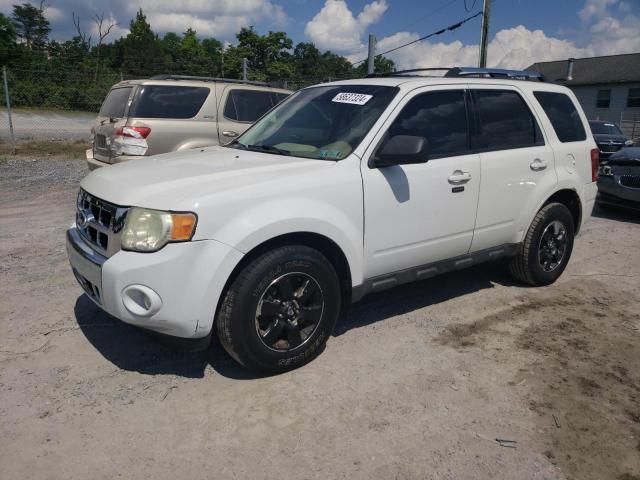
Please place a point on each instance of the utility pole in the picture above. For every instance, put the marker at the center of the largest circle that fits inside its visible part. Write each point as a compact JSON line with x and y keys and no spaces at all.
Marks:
{"x":372,"y":54}
{"x":244,"y":69}
{"x":486,"y":11}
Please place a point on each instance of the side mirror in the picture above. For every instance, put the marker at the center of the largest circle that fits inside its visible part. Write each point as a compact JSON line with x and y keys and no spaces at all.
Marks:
{"x":402,"y":150}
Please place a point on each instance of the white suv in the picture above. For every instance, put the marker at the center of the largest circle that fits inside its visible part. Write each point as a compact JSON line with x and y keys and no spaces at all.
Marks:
{"x":345,"y":189}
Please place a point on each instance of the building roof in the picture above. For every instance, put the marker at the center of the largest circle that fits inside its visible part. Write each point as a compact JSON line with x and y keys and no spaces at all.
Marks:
{"x":593,"y":70}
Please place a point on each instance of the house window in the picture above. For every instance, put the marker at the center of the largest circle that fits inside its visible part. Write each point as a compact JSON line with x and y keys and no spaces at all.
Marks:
{"x":634,"y":97}
{"x":604,"y":98}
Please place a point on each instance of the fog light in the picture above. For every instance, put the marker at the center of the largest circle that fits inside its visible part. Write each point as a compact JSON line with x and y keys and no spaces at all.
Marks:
{"x":141,"y":301}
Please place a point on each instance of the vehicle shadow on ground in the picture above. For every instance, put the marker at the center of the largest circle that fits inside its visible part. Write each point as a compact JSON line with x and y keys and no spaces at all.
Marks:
{"x":136,"y":350}
{"x":617,"y":214}
{"x":417,"y":295}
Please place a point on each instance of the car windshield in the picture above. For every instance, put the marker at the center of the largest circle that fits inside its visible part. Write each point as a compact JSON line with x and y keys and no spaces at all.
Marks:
{"x":598,"y":128}
{"x":325,"y":123}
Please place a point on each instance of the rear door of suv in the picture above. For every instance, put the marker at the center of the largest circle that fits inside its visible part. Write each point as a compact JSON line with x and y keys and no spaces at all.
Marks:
{"x":240,"y":106}
{"x":113,"y":114}
{"x":517,"y":164}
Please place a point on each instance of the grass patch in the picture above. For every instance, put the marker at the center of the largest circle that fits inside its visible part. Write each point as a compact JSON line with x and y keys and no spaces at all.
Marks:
{"x":67,"y":149}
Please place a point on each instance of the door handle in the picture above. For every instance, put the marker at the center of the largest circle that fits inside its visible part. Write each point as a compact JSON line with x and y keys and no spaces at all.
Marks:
{"x":230,"y":133}
{"x":538,"y":165}
{"x":459,"y":177}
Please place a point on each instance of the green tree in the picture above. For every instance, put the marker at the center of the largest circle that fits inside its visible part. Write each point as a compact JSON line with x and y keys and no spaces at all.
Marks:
{"x":335,"y":66}
{"x":306,"y":58}
{"x":31,"y":25}
{"x":171,"y":46}
{"x":213,"y":49}
{"x":268,"y":55}
{"x":381,"y":64}
{"x":7,"y":38}
{"x":142,"y":53}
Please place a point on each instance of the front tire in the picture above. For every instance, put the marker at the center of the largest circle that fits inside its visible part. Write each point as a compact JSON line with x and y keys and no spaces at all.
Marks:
{"x":280,"y":310}
{"x":547,"y":247}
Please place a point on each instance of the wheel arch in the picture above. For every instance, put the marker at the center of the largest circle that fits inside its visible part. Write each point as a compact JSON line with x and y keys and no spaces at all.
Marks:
{"x":330,"y":249}
{"x":569,"y":198}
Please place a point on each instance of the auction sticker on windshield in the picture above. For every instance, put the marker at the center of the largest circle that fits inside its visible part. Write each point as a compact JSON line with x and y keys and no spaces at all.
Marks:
{"x":352,"y":98}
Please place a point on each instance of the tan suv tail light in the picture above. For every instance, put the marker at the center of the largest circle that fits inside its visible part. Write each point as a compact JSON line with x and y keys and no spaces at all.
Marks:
{"x":133,"y":132}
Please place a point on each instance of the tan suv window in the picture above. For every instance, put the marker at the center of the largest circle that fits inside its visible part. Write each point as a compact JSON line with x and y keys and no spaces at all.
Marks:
{"x":115,"y":103}
{"x":168,"y":101}
{"x":247,"y":105}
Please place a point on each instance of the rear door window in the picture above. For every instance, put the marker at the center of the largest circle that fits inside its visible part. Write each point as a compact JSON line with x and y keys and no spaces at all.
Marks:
{"x":505,"y":121}
{"x":247,"y":105}
{"x":279,"y":97}
{"x":115,"y":104}
{"x":169,"y":101}
{"x":563,"y":115}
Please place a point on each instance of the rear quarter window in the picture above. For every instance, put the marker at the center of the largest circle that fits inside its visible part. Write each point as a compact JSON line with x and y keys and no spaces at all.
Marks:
{"x":115,"y":104}
{"x":248,"y":105}
{"x":563,"y":116}
{"x":168,"y":101}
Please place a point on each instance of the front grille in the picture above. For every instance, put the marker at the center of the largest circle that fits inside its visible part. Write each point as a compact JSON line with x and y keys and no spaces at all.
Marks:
{"x":99,"y":222}
{"x":631,"y":181}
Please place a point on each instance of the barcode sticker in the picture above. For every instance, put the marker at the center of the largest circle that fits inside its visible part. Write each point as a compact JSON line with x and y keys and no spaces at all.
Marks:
{"x":352,"y":98}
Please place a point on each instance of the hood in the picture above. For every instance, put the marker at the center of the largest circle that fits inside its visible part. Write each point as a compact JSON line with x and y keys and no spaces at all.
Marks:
{"x":603,"y":138}
{"x":178,"y":180}
{"x":629,"y":156}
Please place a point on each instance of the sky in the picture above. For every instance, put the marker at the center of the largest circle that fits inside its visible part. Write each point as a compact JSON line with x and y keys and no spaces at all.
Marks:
{"x":521,"y":31}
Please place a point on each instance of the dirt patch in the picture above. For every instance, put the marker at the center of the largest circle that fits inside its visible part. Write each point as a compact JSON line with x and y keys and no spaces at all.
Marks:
{"x":583,"y":373}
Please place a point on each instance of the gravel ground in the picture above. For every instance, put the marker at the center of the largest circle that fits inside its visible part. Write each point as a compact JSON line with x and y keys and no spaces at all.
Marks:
{"x":417,"y":382}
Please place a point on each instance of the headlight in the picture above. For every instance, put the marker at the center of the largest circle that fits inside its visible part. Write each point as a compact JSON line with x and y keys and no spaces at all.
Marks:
{"x":150,"y":230}
{"x":628,"y":143}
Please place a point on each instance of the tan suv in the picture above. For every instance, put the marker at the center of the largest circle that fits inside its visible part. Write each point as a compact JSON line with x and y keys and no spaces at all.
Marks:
{"x":166,"y":113}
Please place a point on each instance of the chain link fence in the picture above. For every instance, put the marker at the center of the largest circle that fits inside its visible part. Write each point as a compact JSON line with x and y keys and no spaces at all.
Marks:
{"x":62,"y":105}
{"x":42,"y":105}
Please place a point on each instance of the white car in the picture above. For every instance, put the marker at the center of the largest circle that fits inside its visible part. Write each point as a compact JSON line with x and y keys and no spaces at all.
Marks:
{"x":345,"y":189}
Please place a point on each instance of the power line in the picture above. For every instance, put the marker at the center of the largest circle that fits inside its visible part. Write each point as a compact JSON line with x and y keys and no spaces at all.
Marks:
{"x":468,"y":9}
{"x":439,"y":32}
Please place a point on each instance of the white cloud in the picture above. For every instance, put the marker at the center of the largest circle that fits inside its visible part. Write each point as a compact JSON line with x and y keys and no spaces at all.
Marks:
{"x":219,"y":18}
{"x":611,"y":35}
{"x":53,"y":14}
{"x":335,"y":27}
{"x":595,"y":8}
{"x":519,"y":47}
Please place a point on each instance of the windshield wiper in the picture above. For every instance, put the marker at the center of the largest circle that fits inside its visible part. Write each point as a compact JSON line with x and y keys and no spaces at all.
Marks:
{"x":237,"y":144}
{"x":269,"y":149}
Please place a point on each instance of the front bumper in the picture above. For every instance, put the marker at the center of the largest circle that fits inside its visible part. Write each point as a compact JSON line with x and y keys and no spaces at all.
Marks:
{"x":174,"y":291}
{"x":610,"y":192}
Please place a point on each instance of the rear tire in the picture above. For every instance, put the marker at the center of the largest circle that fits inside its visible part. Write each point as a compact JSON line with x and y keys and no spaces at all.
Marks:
{"x":547,"y":247}
{"x":280,"y":310}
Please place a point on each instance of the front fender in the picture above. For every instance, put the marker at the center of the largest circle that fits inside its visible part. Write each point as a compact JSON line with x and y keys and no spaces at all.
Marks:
{"x":264,"y":222}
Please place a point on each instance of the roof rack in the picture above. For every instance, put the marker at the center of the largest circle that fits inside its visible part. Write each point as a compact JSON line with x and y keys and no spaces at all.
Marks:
{"x":469,"y":72}
{"x":494,"y":73}
{"x":207,"y":79}
{"x":401,"y":73}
